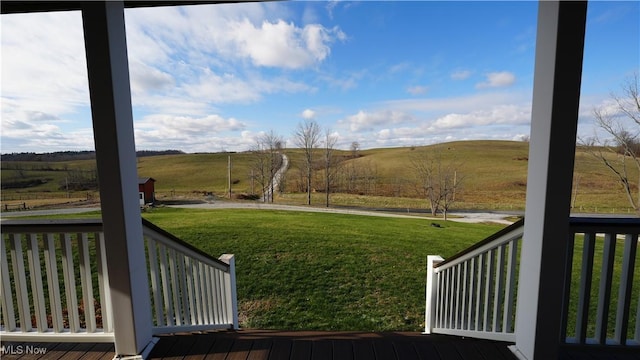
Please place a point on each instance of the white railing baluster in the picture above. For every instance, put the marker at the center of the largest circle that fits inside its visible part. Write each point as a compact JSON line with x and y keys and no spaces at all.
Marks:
{"x":152,"y":256}
{"x":499,"y":289}
{"x":458,"y":290}
{"x":175,"y":289}
{"x":509,"y":298}
{"x":604,"y":298}
{"x":39,"y":306}
{"x":626,"y":288}
{"x":199,"y":287}
{"x":86,"y":282}
{"x":69,"y":283}
{"x":103,"y":284}
{"x":210,"y":294}
{"x":197,"y":292}
{"x":480,"y":284}
{"x":584,"y":297}
{"x":6,"y":295}
{"x":447,"y":295}
{"x":22,"y":293}
{"x":202,"y":296}
{"x":184,"y":291}
{"x":464,"y":298}
{"x":51,"y":265}
{"x":231,"y":293}
{"x":472,"y":290}
{"x":224,"y":307}
{"x":216,"y":291}
{"x":488,"y":290}
{"x":432,"y":294}
{"x":167,"y":295}
{"x":188,"y":276}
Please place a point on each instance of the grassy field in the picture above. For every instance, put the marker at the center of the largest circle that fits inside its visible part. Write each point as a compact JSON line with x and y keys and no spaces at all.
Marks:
{"x":494,"y":176}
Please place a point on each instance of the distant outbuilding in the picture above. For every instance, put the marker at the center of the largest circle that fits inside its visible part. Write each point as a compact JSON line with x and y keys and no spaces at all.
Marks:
{"x":146,"y":190}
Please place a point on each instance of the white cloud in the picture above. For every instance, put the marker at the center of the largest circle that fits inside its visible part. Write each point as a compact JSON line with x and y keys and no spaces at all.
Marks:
{"x":417,"y":90}
{"x":499,"y":114}
{"x":145,"y":78}
{"x":180,"y":126}
{"x":461,"y":74}
{"x":43,"y":62}
{"x":520,"y":137}
{"x":364,"y":120}
{"x":196,"y":64}
{"x":460,"y":104}
{"x":283,"y":44}
{"x":331,"y":5}
{"x":497,"y":79}
{"x":208,"y":133}
{"x":495,"y":115}
{"x":308,"y":114}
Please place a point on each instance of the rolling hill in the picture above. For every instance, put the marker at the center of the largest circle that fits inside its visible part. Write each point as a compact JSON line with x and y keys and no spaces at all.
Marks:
{"x":493,"y":176}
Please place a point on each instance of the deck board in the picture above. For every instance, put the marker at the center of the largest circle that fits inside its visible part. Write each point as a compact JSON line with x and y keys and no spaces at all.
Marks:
{"x":260,"y":349}
{"x":281,"y":349}
{"x":302,"y":349}
{"x":220,"y":349}
{"x":342,"y":350}
{"x":363,"y":350}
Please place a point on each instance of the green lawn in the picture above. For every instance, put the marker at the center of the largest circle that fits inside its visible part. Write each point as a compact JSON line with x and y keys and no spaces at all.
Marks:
{"x":302,"y":270}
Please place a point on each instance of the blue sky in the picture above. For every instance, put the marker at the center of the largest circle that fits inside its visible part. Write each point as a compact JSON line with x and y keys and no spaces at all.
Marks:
{"x":210,"y":78}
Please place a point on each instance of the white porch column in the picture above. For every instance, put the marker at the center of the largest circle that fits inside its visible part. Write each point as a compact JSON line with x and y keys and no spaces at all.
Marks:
{"x":556,"y":93}
{"x":106,"y":51}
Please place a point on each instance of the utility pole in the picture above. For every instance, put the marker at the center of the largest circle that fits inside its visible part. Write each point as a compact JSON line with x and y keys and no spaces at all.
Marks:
{"x":229,"y":175}
{"x":252,"y":182}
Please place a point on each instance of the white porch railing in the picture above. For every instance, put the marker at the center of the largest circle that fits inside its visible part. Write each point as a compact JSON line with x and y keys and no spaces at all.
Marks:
{"x":474,"y":293}
{"x":55,"y":285}
{"x":602,"y":305}
{"x":190,"y":290}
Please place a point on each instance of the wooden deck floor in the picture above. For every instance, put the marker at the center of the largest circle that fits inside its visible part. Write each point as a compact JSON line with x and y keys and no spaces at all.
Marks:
{"x":260,"y":344}
{"x":276,"y":345}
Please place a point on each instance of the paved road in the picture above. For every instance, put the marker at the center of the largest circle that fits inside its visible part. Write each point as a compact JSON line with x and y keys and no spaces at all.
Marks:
{"x":460,"y":217}
{"x":469,"y":217}
{"x":78,"y":210}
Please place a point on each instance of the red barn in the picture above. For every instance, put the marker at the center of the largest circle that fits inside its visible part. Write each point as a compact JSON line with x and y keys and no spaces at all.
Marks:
{"x":146,"y":190}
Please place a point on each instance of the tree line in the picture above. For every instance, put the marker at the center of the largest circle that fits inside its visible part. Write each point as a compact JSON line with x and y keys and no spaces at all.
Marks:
{"x":74,"y":155}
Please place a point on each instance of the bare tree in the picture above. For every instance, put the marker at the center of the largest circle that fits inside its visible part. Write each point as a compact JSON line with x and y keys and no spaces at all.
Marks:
{"x":330,"y":161}
{"x":267,"y":161}
{"x":436,"y":179}
{"x":307,"y":137}
{"x":620,"y":151}
{"x":260,"y":167}
{"x":355,"y":149}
